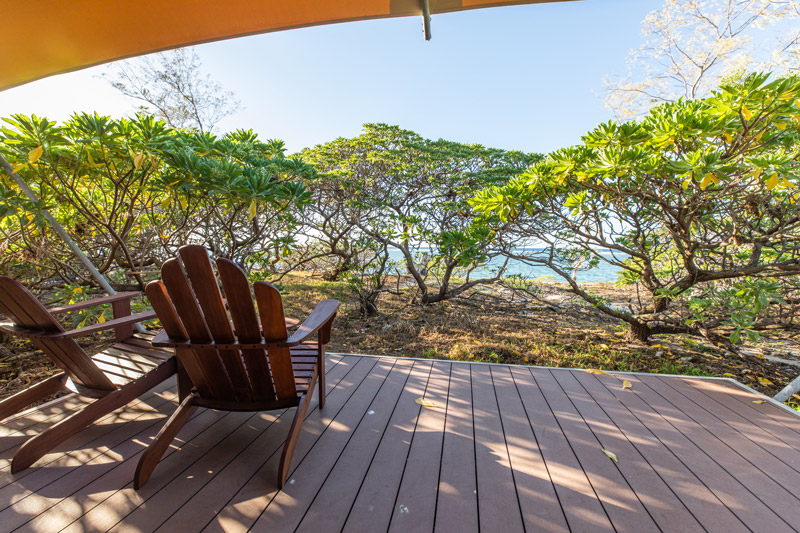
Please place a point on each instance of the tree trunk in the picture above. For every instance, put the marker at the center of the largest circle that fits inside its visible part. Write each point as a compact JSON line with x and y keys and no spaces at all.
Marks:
{"x":639,"y":331}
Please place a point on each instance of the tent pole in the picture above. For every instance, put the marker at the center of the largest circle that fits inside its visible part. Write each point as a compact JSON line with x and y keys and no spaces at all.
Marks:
{"x":426,"y":19}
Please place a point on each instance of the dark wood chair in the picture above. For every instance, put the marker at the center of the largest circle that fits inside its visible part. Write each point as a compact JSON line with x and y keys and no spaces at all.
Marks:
{"x":234,"y":361}
{"x":114,"y":376}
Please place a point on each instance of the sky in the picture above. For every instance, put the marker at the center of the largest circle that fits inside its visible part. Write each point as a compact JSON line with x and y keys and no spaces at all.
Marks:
{"x":519,"y":78}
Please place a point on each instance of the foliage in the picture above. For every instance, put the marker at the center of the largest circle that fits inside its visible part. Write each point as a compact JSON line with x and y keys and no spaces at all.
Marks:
{"x":691,"y":45}
{"x":697,"y":201}
{"x":236,"y":195}
{"x":132,"y":191}
{"x":390,"y":187}
{"x":172,"y":86}
{"x":94,"y":175}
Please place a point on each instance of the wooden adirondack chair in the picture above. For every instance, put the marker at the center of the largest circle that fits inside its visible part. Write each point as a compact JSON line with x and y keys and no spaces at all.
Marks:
{"x":114,"y":376}
{"x":243,"y":366}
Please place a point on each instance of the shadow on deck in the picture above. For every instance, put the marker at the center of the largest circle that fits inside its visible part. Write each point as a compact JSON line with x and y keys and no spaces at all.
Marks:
{"x":506,"y":448}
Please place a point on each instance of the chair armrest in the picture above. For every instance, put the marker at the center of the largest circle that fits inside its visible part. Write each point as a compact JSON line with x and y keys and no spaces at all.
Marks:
{"x":71,"y":308}
{"x":322,"y":314}
{"x":108,"y":324}
{"x":319,"y":317}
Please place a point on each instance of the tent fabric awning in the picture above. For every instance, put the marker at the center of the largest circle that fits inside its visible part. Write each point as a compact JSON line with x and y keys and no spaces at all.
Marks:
{"x":46,"y":37}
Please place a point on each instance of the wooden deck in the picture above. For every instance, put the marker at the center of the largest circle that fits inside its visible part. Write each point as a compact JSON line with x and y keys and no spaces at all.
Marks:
{"x":506,"y":448}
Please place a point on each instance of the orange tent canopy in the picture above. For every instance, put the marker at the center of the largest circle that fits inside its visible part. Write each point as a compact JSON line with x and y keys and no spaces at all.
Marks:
{"x":46,"y":37}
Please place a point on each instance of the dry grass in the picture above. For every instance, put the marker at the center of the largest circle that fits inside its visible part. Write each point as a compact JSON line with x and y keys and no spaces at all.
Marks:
{"x":487,"y":326}
{"x":484,"y":328}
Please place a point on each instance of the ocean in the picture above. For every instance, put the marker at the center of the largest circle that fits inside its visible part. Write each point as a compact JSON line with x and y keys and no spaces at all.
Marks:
{"x":602,"y":273}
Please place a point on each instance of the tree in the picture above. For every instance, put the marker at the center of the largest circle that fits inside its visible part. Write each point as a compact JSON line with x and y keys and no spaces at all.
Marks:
{"x":132,"y":191}
{"x":691,"y":45}
{"x":172,"y":86}
{"x":411,"y":194}
{"x":697,"y":204}
{"x":93,"y":173}
{"x":237,"y":195}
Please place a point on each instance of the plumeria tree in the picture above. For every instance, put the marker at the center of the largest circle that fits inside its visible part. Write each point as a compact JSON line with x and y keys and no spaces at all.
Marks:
{"x":130,"y":192}
{"x":94,"y":174}
{"x":235,"y":194}
{"x":696,"y":204}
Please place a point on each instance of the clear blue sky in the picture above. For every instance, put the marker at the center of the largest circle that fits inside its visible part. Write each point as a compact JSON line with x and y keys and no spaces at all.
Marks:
{"x":525,"y":77}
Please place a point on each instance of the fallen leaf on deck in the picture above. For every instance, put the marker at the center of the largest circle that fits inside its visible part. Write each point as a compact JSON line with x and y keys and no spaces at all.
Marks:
{"x":425,"y":403}
{"x":796,"y":396}
{"x":759,"y":401}
{"x":611,"y":455}
{"x":764,"y":381}
{"x":595,"y":371}
{"x":729,"y":375}
{"x":627,"y":385}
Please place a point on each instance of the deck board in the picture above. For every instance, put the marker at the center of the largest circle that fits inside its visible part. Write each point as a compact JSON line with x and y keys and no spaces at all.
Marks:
{"x":700,"y":501}
{"x":768,"y":469}
{"x":621,"y":503}
{"x":578,"y":499}
{"x":414,"y":506}
{"x":506,"y":448}
{"x":661,"y":503}
{"x":535,"y":491}
{"x":707,"y":464}
{"x":456,"y":498}
{"x":726,"y":452}
{"x":330,"y":506}
{"x":374,"y":503}
{"x":725,"y":415}
{"x":496,"y":488}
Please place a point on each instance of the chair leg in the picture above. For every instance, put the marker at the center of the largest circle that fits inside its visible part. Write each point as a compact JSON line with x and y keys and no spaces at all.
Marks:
{"x":152,"y":455}
{"x":17,"y":402}
{"x":184,"y":383}
{"x":321,"y":374}
{"x":294,"y":433}
{"x":42,"y":443}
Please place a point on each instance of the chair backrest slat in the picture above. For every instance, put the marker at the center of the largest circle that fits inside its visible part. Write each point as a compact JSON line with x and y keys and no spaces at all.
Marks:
{"x":273,"y":323}
{"x":201,"y":275}
{"x":22,"y":307}
{"x":195,"y":325}
{"x":168,"y":316}
{"x":245,"y":323}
